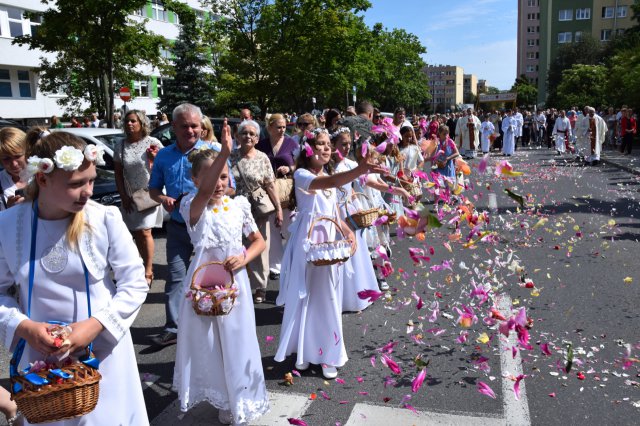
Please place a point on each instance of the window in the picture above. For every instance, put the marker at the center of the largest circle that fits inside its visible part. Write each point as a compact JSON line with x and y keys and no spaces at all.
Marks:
{"x":583,"y":13}
{"x":141,"y":88}
{"x":533,"y":30}
{"x":5,"y":83}
{"x":605,"y":35}
{"x":15,"y":83}
{"x":138,"y":12}
{"x":531,"y":68}
{"x":160,"y":85}
{"x":166,"y":53}
{"x":158,"y":12}
{"x":533,"y":55}
{"x":14,"y":23}
{"x":564,"y":37}
{"x":565,"y":15}
{"x":607,"y":12}
{"x":533,"y":3}
{"x":533,"y":16}
{"x":622,"y":12}
{"x":533,"y":42}
{"x":578,"y":36}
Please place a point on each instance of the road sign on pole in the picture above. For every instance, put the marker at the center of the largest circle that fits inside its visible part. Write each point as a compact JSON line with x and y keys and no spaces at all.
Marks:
{"x":125,"y":94}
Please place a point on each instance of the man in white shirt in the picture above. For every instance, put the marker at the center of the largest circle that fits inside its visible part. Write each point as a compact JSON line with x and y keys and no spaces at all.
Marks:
{"x":541,"y":121}
{"x":519,"y":120}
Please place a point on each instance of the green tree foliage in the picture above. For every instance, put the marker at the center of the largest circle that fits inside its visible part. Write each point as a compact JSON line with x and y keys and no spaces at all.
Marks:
{"x":624,"y":73}
{"x":588,"y":51}
{"x":583,"y":85}
{"x":97,"y":48}
{"x":526,"y":90}
{"x":190,"y":78}
{"x":283,"y":53}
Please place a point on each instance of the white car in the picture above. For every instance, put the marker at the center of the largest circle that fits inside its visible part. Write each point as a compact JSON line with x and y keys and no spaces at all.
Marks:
{"x":105,"y":138}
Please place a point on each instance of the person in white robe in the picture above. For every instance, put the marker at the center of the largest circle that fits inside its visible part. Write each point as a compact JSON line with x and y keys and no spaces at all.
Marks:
{"x":508,"y":140}
{"x":487,"y":129}
{"x":597,"y":134}
{"x":562,"y":132}
{"x":582,"y":135}
{"x":467,"y":134}
{"x":519,"y":120}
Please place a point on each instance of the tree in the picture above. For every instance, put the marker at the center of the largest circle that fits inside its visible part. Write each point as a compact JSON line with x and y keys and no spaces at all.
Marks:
{"x":587,"y":51}
{"x":624,"y":74}
{"x":190,"y":78}
{"x":97,"y":46}
{"x":527,"y":92}
{"x":491,"y":90}
{"x":583,"y":85}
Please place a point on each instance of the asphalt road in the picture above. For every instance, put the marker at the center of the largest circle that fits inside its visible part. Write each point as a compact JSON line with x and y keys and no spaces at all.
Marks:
{"x":576,"y":240}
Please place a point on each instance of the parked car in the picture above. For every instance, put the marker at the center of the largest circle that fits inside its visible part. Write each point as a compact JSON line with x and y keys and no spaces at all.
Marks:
{"x":104,"y":189}
{"x":5,"y":122}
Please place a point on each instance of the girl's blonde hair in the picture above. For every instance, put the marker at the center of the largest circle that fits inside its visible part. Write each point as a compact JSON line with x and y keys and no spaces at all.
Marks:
{"x":46,"y":147}
{"x":198,"y":156}
{"x":12,"y":142}
{"x":206,"y":125}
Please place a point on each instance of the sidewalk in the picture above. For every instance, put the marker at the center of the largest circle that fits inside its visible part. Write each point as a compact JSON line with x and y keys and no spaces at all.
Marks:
{"x":629,"y":163}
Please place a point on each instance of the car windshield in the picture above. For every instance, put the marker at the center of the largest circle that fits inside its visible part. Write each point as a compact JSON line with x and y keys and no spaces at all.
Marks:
{"x":110,"y":140}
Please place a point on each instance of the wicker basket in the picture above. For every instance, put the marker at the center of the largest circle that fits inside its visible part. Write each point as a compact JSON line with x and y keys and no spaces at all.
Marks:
{"x":414,"y":189}
{"x":58,"y":400}
{"x":391,"y":215}
{"x":217,"y":297}
{"x":328,"y":252}
{"x":363,"y":218}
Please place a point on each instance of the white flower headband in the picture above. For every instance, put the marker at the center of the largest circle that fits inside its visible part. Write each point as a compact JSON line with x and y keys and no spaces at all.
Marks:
{"x":338,"y":132}
{"x":66,"y":158}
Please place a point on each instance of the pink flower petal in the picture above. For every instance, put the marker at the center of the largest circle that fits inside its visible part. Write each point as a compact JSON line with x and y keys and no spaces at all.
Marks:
{"x":417,"y":382}
{"x":516,"y":386}
{"x":296,"y":422}
{"x":485,"y":389}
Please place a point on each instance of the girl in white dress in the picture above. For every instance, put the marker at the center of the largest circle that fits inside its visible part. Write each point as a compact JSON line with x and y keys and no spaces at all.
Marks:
{"x":13,"y":149}
{"x":218,"y":357}
{"x":312,"y":295}
{"x":359,"y":274}
{"x":411,"y":153}
{"x":75,"y":244}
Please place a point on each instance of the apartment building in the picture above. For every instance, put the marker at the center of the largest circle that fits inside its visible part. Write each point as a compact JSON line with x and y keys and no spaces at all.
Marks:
{"x":528,"y":39}
{"x":446,"y":86}
{"x":483,"y":86}
{"x":20,"y":97}
{"x":469,"y":86}
{"x":567,"y":21}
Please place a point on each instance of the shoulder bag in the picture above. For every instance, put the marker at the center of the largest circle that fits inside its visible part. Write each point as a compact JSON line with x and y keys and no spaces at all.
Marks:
{"x":141,"y":199}
{"x":261,"y":204}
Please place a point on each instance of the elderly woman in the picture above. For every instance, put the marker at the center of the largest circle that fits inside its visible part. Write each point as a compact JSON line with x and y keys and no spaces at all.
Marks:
{"x":281,"y":151}
{"x":133,"y":160}
{"x":13,"y":147}
{"x":252,"y":170}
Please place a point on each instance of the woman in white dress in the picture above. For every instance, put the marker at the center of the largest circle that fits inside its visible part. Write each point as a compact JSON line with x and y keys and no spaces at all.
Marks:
{"x":133,"y":160}
{"x":75,"y":244}
{"x":358,"y":274}
{"x":218,"y":357}
{"x":13,"y":148}
{"x":312,"y":295}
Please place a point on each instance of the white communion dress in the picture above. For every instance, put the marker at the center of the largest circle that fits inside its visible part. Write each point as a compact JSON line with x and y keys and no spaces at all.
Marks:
{"x":312,"y":295}
{"x":218,"y":357}
{"x":359,"y":274}
{"x":61,"y":296}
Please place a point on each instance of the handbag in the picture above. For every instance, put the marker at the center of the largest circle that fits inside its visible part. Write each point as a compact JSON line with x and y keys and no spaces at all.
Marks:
{"x":260,"y":201}
{"x":284,"y":186}
{"x":141,"y":199}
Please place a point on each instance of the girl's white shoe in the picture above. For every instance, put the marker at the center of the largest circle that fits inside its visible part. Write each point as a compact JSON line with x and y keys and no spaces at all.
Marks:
{"x":329,"y":371}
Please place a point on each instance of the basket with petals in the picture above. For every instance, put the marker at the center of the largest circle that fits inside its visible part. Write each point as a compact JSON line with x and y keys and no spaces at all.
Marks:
{"x":392,"y":216}
{"x":49,"y":392}
{"x":213,"y":291}
{"x":327,"y":252}
{"x":412,"y":188}
{"x":362,"y":217}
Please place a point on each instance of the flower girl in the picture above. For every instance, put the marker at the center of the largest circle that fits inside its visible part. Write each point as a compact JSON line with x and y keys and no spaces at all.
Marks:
{"x":312,"y":295}
{"x":218,"y":357}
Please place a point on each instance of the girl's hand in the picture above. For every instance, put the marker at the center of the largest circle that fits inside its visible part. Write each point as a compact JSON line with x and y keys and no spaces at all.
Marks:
{"x":152,"y":151}
{"x":405,"y":193}
{"x":37,"y":336}
{"x":283,"y":170}
{"x":233,"y":263}
{"x":225,"y":138}
{"x":82,"y":333}
{"x":369,"y":165}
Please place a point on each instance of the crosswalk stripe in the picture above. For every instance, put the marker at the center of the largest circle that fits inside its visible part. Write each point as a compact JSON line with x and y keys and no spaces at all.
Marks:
{"x":283,"y":406}
{"x":376,"y":415}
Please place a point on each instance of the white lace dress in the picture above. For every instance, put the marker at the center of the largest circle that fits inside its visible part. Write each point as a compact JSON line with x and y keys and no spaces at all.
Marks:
{"x":312,"y":295}
{"x":218,"y":357}
{"x":359,"y":274}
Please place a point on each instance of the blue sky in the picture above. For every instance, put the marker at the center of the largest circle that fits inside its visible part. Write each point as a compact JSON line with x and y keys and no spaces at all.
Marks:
{"x":479,"y":35}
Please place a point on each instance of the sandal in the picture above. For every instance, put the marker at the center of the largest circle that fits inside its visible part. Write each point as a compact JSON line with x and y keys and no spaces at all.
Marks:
{"x":260,"y":296}
{"x":149,"y":278}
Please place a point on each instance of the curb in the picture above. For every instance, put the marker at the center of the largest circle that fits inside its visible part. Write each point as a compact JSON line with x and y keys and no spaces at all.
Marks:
{"x":621,"y":166}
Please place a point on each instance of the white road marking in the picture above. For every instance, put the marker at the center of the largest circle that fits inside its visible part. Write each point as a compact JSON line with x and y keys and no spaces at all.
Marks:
{"x":516,"y":412}
{"x":376,"y":415}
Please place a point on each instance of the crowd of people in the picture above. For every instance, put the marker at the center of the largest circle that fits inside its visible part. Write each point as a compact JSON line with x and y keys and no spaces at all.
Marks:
{"x":258,"y":205}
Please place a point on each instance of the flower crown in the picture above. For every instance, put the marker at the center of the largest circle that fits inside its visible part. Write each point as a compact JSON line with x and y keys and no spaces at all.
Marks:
{"x":391,"y":131}
{"x":67,"y":158}
{"x":309,"y":136}
{"x":338,"y":132}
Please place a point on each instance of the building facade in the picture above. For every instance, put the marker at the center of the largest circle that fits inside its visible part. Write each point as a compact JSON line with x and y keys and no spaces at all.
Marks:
{"x":469,"y":88}
{"x":528,"y":39}
{"x":20,"y":97}
{"x":568,"y":21}
{"x":483,"y":86}
{"x":445,"y":86}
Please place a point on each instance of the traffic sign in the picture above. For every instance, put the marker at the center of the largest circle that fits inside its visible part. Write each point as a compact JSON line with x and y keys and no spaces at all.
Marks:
{"x":125,"y":94}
